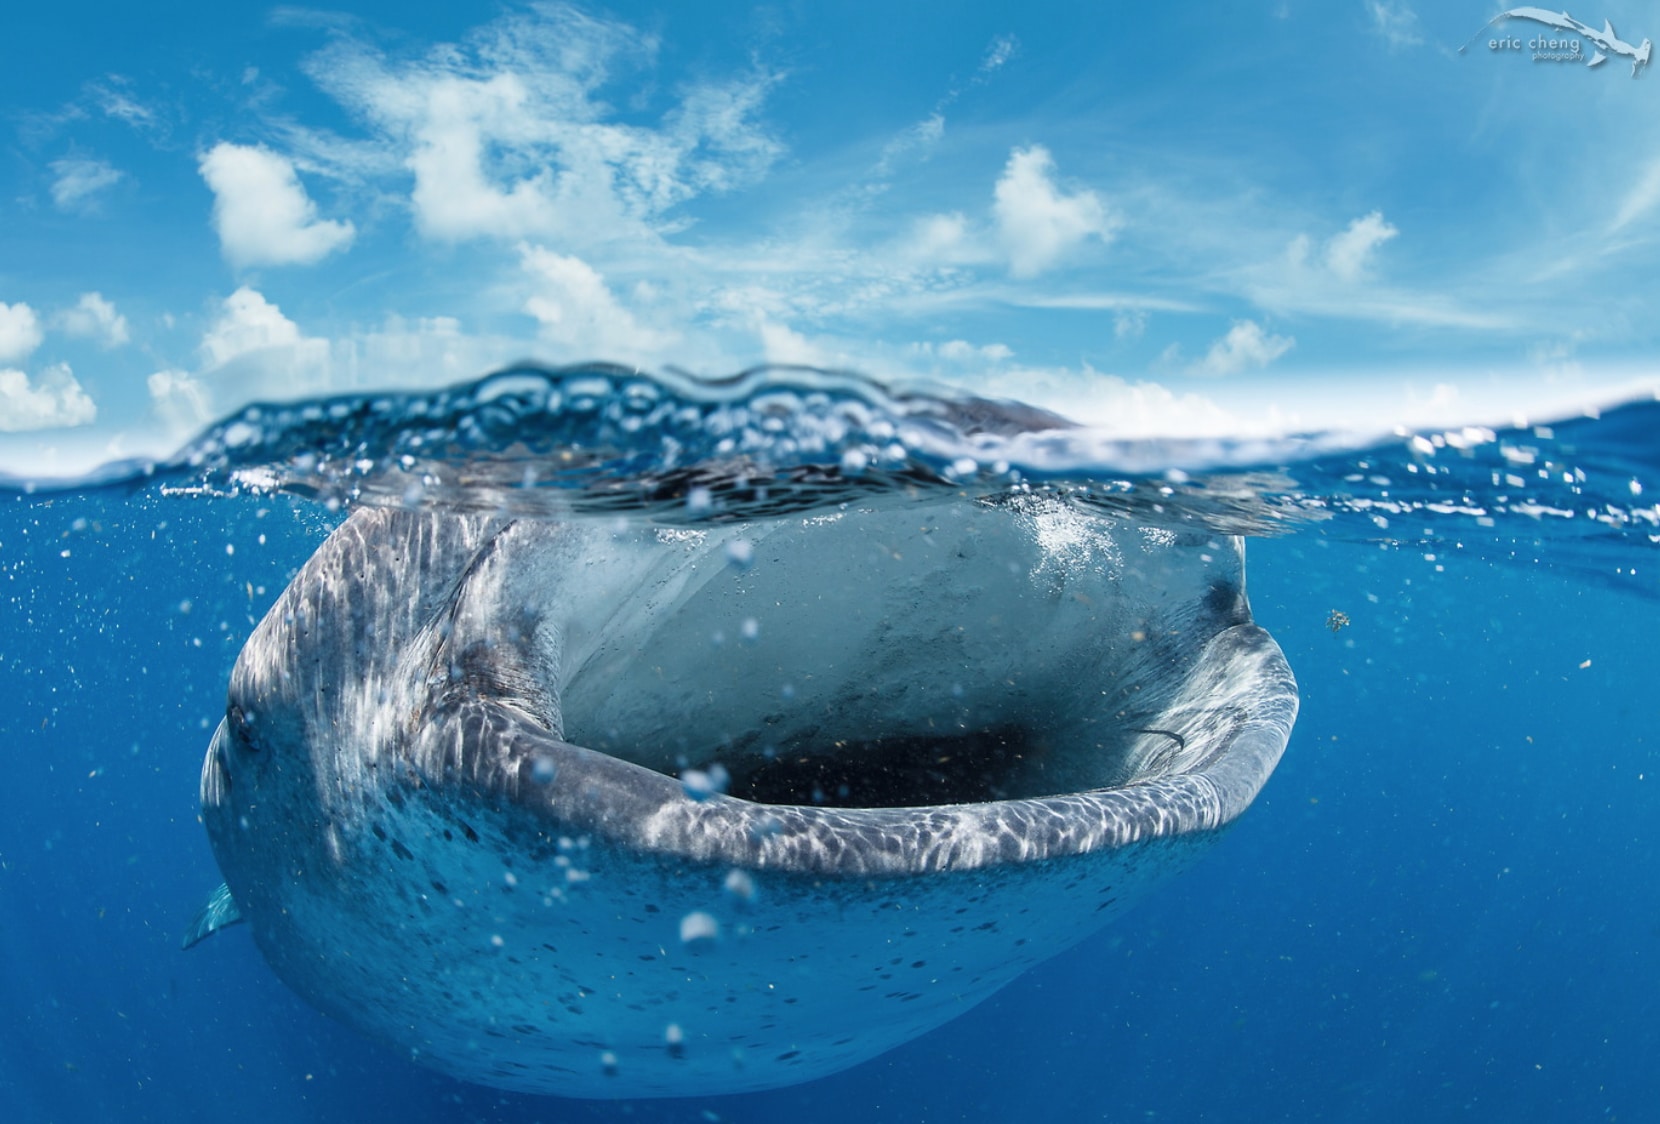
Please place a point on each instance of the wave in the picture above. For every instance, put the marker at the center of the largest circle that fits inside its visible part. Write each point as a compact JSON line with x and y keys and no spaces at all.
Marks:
{"x":605,"y":440}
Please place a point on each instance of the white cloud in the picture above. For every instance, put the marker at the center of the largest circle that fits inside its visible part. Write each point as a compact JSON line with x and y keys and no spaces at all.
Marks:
{"x":961,"y":351}
{"x":1335,"y":278}
{"x":180,"y":400}
{"x":1349,"y":254}
{"x":56,"y":400}
{"x":941,"y":238}
{"x":1037,"y":223}
{"x":95,"y":317}
{"x":1129,"y":323}
{"x":782,"y":344}
{"x":428,"y":350}
{"x":507,"y":138}
{"x":261,"y":211}
{"x":1113,"y":407}
{"x":579,"y":314}
{"x":79,"y":181}
{"x":112,"y":98}
{"x":1245,"y":346}
{"x":20,"y":332}
{"x":1395,"y":22}
{"x":921,"y":137}
{"x":248,"y":322}
{"x":1640,"y":199}
{"x":1000,"y":51}
{"x":252,"y":351}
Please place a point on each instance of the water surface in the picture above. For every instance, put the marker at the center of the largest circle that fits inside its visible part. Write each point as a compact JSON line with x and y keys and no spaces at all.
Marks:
{"x":1438,"y":906}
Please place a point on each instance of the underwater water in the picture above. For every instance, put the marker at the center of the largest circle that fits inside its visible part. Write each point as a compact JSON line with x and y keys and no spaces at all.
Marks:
{"x":1440,"y":905}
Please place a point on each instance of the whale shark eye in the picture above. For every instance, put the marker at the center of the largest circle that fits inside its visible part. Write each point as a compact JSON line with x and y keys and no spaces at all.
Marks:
{"x":241,"y":727}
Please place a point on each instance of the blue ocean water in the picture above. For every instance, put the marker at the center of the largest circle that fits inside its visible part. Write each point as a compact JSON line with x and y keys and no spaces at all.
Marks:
{"x":1441,"y":906}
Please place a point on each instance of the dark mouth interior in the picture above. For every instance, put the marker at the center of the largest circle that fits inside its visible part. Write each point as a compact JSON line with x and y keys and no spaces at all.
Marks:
{"x":898,"y":772}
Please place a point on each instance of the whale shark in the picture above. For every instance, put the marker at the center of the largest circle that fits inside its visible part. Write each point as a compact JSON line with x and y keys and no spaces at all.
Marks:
{"x":604,"y":808}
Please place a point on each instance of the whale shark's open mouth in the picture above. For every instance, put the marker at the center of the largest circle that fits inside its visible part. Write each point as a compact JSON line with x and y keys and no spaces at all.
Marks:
{"x":607,"y":807}
{"x":974,"y":767}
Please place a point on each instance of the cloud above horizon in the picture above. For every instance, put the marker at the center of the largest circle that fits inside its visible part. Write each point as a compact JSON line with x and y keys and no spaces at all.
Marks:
{"x":385,"y":208}
{"x":79,"y":182}
{"x":1038,"y":223}
{"x":55,"y":400}
{"x":506,"y":137}
{"x":20,"y":332}
{"x":1245,"y":346}
{"x":95,"y":318}
{"x":262,"y":214}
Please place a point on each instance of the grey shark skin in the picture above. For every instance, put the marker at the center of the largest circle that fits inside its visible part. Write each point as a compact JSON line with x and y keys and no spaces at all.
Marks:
{"x":960,"y":738}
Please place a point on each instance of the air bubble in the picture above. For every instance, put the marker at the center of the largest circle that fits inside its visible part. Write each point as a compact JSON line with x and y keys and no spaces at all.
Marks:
{"x":740,"y":554}
{"x":698,"y":926}
{"x":701,"y":784}
{"x":741,"y":885}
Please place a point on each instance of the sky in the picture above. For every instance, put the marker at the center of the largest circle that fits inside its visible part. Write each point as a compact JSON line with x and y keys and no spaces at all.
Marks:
{"x":1276,"y":217}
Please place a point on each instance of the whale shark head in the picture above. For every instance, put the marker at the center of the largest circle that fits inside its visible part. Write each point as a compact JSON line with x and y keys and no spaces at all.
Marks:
{"x":597,"y":808}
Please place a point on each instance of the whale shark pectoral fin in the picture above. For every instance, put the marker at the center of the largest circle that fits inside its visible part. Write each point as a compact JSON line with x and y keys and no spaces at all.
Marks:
{"x":218,"y":911}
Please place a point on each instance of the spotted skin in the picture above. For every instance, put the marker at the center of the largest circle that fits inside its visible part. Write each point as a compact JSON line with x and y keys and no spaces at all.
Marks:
{"x":441,"y":796}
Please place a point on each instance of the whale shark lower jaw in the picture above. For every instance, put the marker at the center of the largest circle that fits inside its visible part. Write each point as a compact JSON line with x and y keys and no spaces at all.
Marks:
{"x":597,"y":809}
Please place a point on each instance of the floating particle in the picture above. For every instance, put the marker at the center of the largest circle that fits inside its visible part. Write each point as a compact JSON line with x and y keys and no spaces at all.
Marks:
{"x":699,"y":501}
{"x":543,"y":770}
{"x":750,"y":630}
